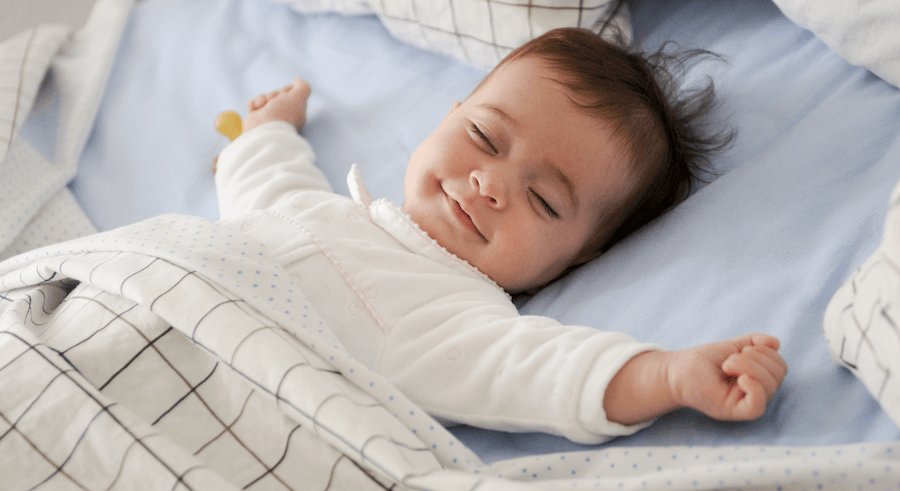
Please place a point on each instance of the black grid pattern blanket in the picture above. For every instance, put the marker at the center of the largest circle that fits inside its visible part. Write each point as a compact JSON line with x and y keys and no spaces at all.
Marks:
{"x":175,"y":354}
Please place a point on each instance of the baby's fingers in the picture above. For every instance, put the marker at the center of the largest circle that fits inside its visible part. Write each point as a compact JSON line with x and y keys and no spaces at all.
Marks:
{"x":751,"y":399}
{"x":257,"y":102}
{"x":762,"y":364}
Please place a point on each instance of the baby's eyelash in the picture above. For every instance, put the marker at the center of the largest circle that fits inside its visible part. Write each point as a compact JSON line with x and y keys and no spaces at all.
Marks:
{"x":549,"y":209}
{"x":483,"y":137}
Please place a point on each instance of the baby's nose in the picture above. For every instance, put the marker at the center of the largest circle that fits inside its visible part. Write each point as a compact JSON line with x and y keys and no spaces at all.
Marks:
{"x":491,"y":186}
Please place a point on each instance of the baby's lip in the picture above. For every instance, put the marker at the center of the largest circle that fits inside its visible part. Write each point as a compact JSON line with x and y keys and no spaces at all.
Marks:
{"x":464,"y":218}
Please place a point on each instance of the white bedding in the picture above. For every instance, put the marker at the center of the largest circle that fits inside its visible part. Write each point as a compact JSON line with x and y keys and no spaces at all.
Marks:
{"x":478,"y":32}
{"x":35,"y":206}
{"x":800,"y":204}
{"x":861,"y":321}
{"x":142,"y":358}
{"x":864,"y":32}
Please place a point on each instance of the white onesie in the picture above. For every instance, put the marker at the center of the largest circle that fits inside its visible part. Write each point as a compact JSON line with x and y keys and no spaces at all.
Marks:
{"x":442,"y":332}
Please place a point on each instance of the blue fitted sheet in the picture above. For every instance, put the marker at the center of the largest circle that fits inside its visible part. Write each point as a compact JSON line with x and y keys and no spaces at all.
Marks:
{"x":798,"y":206}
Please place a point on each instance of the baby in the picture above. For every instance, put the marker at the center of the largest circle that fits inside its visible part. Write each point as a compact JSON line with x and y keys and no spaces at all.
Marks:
{"x":568,"y":145}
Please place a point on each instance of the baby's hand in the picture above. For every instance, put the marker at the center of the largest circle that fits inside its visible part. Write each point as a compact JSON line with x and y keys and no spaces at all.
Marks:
{"x":729,"y":380}
{"x":287,"y":104}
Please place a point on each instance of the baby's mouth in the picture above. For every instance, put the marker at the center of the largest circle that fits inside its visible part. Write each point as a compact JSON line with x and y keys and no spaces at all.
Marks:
{"x":464,"y":217}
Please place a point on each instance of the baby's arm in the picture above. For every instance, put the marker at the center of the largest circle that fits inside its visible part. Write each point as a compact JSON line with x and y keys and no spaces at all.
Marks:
{"x":727,"y":380}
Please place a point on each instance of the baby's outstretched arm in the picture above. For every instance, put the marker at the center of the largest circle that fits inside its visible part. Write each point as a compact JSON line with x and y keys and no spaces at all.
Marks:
{"x":287,"y":104}
{"x":727,"y":380}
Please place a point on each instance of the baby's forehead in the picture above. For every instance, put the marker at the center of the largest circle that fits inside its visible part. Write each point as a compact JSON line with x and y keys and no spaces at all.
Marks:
{"x":551,"y":79}
{"x":531,"y":63}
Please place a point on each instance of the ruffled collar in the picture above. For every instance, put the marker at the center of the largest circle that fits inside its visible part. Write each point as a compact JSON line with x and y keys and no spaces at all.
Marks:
{"x":401,"y":226}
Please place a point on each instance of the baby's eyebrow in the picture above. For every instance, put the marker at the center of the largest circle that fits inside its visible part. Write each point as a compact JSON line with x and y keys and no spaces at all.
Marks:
{"x":499,"y":113}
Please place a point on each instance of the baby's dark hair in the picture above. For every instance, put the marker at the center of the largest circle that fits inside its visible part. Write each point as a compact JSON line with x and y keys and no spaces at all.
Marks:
{"x":665,"y":128}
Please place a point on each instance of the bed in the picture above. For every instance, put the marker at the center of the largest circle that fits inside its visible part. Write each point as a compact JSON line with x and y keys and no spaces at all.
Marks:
{"x":111,"y":130}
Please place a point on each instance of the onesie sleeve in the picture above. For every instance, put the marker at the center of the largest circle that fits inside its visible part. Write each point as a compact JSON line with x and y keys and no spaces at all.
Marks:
{"x":512,"y":372}
{"x":263,"y":167}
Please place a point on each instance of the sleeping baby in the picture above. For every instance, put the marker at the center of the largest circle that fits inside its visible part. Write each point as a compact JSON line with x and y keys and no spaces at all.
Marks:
{"x":567,"y":146}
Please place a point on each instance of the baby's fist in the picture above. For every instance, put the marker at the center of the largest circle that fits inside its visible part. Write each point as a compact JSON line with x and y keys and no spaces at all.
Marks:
{"x":733,"y":379}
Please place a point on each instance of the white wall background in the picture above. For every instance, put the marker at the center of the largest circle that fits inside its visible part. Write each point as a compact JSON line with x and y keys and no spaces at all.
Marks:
{"x":19,"y":15}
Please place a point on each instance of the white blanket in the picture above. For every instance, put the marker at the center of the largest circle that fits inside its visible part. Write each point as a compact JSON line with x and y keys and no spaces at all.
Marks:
{"x":160,"y":353}
{"x":176,"y":351}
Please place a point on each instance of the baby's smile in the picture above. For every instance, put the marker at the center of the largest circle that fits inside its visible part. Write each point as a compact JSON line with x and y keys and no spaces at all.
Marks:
{"x":462,"y":216}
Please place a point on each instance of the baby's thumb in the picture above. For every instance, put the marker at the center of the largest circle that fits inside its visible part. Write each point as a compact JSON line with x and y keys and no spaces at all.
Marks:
{"x":753,"y":402}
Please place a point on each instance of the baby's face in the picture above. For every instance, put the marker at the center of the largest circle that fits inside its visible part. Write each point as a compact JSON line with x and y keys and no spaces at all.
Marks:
{"x":514,"y":179}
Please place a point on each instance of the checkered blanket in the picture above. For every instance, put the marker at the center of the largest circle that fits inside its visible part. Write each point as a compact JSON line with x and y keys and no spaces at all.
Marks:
{"x":175,"y":352}
{"x":862,"y":321}
{"x":481,"y":32}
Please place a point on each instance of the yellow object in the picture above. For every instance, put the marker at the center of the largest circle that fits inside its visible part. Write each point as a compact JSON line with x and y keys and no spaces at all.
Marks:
{"x":228,"y":123}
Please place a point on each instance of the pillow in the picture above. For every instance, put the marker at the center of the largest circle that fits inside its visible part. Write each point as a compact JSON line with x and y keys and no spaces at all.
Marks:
{"x":480,"y":32}
{"x":864,"y":32}
{"x":862,"y":321}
